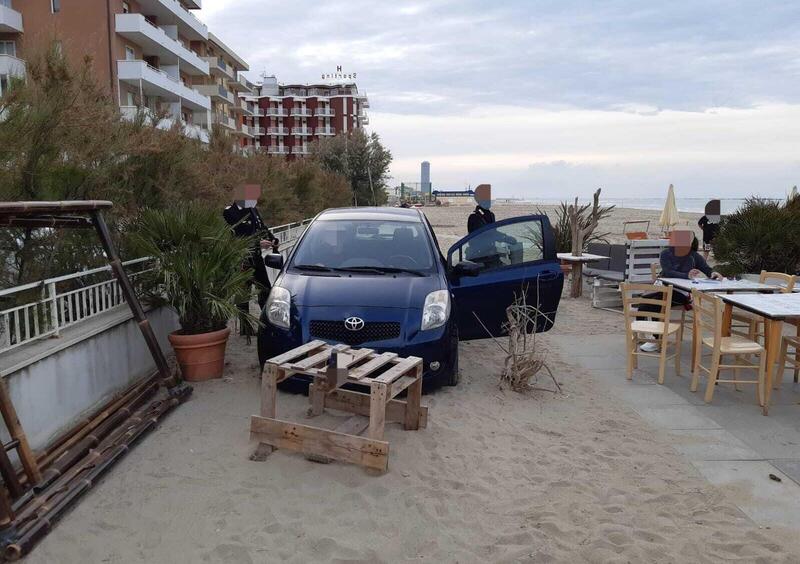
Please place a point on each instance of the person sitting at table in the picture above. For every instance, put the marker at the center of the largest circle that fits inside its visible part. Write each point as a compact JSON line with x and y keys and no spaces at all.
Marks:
{"x":679,"y":260}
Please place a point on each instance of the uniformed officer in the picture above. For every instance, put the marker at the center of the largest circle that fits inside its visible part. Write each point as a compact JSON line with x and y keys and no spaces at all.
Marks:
{"x":242,"y":215}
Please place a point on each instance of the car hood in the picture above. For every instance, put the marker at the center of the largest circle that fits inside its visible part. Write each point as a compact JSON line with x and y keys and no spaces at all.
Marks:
{"x":401,"y":291}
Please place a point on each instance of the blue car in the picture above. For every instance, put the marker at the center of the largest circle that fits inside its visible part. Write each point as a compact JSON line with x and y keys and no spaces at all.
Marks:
{"x":375,"y":278}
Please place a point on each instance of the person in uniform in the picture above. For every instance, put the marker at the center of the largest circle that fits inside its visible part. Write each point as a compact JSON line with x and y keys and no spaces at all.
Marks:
{"x":245,"y":221}
{"x":483,"y":214}
{"x":709,"y":223}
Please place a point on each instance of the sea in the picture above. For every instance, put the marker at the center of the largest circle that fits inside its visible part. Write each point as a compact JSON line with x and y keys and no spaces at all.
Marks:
{"x":689,"y":205}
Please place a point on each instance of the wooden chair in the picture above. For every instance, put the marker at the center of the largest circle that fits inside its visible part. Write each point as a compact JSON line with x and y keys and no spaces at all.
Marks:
{"x":708,"y":312}
{"x":685,"y":320}
{"x":659,"y":326}
{"x":752,"y":326}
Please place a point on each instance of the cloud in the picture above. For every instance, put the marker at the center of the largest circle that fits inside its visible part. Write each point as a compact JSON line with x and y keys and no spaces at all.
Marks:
{"x":488,"y":87}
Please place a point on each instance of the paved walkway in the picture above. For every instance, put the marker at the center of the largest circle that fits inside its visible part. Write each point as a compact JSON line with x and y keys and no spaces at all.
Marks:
{"x":729,"y":441}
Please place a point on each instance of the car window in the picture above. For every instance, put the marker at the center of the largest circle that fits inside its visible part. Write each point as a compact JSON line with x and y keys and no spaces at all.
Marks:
{"x":370,"y":243}
{"x":504,"y":245}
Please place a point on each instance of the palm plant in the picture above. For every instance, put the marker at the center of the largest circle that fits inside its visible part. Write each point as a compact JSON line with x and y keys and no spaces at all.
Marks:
{"x":198,"y":265}
{"x":761,"y":235}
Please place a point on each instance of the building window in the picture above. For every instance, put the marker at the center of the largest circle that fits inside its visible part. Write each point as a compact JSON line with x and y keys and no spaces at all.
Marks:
{"x":126,"y":8}
{"x":55,"y":6}
{"x":8,"y":48}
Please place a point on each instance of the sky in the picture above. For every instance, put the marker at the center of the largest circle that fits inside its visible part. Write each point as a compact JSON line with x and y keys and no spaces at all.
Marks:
{"x":554,"y":98}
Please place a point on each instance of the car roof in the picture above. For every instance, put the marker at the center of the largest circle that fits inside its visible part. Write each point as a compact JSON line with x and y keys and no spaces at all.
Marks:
{"x":371,"y":213}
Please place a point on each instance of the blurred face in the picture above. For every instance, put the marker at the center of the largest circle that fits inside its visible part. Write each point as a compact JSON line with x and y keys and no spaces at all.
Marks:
{"x":247,"y":195}
{"x":483,"y":195}
{"x":681,"y":241}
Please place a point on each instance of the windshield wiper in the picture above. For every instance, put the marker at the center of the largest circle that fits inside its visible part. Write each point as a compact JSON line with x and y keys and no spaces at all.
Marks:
{"x":312,"y":267}
{"x":381,"y":270}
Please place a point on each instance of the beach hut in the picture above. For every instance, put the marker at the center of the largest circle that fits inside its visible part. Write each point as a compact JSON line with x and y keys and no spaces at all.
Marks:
{"x":669,"y":216}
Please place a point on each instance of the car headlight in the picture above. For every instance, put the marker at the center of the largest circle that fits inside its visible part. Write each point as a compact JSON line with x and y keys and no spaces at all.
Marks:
{"x":436,"y":310}
{"x":279,"y":304}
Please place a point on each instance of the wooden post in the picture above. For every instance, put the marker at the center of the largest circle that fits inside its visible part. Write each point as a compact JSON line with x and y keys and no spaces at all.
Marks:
{"x":413,"y":401}
{"x":377,"y":410}
{"x":269,"y":393}
{"x":18,"y":434}
{"x":133,"y":301}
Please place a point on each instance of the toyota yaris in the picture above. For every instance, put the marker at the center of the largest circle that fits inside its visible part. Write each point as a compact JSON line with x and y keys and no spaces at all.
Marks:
{"x":374,"y":277}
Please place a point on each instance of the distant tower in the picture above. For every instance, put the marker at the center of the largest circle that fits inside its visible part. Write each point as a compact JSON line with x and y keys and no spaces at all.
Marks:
{"x":425,"y":178}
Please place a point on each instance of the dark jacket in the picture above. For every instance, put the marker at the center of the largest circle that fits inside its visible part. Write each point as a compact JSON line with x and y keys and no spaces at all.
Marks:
{"x":673,"y":266}
{"x":709,"y":229}
{"x":247,"y":222}
{"x":479,"y":218}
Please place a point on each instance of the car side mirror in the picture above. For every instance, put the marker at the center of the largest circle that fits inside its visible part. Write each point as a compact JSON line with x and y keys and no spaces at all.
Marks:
{"x":466,"y":268}
{"x":274,"y":260}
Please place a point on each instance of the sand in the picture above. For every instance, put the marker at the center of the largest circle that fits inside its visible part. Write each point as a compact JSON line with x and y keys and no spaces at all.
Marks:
{"x":496,"y":477}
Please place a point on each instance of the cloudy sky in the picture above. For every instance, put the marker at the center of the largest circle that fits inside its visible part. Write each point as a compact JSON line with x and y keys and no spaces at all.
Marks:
{"x":551,"y":98}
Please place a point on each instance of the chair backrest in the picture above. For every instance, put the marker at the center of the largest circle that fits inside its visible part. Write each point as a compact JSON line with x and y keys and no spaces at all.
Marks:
{"x":785,"y":281}
{"x":635,"y":295}
{"x":707,"y":309}
{"x":641,"y":254}
{"x":601,"y":249}
{"x":619,"y":257}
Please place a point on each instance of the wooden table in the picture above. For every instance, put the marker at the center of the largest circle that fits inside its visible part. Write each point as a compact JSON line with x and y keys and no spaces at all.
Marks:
{"x":577,"y":262}
{"x":332,"y":366}
{"x":721,"y":286}
{"x":775,"y":309}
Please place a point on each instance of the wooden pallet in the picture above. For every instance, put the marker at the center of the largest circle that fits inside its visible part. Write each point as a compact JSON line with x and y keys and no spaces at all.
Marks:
{"x":331,"y":366}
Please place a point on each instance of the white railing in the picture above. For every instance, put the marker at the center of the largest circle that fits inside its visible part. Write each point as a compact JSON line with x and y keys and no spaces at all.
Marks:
{"x":66,"y":300}
{"x":277,"y":150}
{"x":325,"y":131}
{"x":58,"y":308}
{"x":300,"y":150}
{"x":280,"y":112}
{"x":303,"y":112}
{"x":325,"y":112}
{"x":301,"y":131}
{"x":278,"y":131}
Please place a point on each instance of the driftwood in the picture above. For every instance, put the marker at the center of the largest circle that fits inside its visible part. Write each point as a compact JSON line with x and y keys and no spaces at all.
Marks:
{"x":581,"y":233}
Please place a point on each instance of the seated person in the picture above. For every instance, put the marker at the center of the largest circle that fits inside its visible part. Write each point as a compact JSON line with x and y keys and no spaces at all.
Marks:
{"x":679,"y":260}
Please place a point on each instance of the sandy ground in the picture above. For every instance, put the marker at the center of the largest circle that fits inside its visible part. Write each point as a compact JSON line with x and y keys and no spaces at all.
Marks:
{"x":450,"y":223}
{"x":496,"y":477}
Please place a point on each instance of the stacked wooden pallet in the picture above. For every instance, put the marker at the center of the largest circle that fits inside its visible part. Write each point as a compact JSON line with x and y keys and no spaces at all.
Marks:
{"x":386,"y":375}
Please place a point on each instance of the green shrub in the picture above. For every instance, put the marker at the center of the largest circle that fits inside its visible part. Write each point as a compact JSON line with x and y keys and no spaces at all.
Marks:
{"x":761,"y":235}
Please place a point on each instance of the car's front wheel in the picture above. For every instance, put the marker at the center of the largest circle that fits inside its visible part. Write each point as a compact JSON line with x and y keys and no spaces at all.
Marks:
{"x":453,"y":376}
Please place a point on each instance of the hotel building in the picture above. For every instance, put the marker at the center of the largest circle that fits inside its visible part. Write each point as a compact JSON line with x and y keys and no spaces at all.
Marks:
{"x":10,"y":31}
{"x":289,"y":117}
{"x":155,"y":56}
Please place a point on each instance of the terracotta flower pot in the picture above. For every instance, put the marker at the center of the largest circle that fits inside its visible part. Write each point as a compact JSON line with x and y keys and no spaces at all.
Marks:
{"x":201,"y":357}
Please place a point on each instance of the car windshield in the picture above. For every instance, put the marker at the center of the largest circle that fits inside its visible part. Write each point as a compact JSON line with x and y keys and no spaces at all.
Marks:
{"x":368,"y":246}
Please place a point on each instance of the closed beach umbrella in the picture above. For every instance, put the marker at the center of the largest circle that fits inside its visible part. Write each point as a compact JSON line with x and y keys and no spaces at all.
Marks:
{"x":793,"y":194}
{"x":669,"y":217}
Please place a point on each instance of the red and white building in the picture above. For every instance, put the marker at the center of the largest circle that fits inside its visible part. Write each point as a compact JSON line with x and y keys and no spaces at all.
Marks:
{"x":288,"y":118}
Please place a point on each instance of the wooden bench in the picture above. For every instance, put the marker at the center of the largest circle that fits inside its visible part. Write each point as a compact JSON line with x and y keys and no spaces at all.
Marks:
{"x":331,"y":366}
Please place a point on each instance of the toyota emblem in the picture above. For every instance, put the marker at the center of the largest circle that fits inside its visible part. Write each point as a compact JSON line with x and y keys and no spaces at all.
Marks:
{"x":354,"y":324}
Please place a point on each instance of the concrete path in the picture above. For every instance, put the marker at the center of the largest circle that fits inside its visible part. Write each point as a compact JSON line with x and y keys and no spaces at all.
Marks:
{"x":729,"y":441}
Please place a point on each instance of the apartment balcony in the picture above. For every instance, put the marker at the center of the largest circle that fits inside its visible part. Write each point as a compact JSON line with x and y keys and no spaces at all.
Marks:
{"x":172,"y":12}
{"x":258,"y":112}
{"x":257,"y":130}
{"x":363,"y":119}
{"x":323,"y":112}
{"x":323,"y":131}
{"x":277,"y":150}
{"x":240,"y":106}
{"x":277,"y":112}
{"x":245,"y":131}
{"x":301,"y":112}
{"x":12,"y":66}
{"x":154,"y":41}
{"x":241,"y":84}
{"x":318,"y":92}
{"x":364,"y":101}
{"x":300,"y":150}
{"x":217,"y":92}
{"x":225,"y":121}
{"x":277,"y":131}
{"x":192,"y":4}
{"x":193,"y":131}
{"x":155,"y":82}
{"x":219,"y":68}
{"x":304,"y":131}
{"x":10,"y":20}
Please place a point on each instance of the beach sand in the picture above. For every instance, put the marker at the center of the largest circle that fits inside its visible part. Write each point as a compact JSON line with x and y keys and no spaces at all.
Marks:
{"x":496,"y":477}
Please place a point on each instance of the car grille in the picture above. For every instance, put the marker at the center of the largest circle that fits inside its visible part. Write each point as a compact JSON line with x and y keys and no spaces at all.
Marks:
{"x":372,"y":331}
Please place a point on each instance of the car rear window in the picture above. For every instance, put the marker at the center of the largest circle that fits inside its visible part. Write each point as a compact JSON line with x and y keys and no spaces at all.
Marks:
{"x":369,"y":243}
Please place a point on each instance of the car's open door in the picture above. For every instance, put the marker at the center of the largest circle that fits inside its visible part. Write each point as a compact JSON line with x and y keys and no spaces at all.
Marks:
{"x":492,"y":266}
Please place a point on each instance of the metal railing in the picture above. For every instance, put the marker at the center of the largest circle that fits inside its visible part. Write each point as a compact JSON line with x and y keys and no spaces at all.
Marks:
{"x":64,"y":301}
{"x":301,"y":112}
{"x":58,"y":307}
{"x":278,"y":130}
{"x":325,"y":131}
{"x":277,"y":150}
{"x":281,"y":112}
{"x":324,"y":112}
{"x":301,"y":131}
